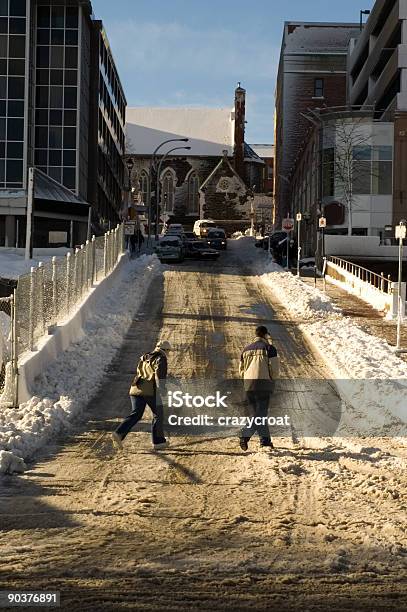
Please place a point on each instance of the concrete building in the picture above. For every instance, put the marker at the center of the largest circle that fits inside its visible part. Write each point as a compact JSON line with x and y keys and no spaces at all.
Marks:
{"x":378,"y":79}
{"x":216,"y":138}
{"x":312,"y":73}
{"x":55,"y":66}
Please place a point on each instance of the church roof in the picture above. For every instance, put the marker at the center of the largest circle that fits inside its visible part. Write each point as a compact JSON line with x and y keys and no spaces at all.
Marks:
{"x":210,"y":130}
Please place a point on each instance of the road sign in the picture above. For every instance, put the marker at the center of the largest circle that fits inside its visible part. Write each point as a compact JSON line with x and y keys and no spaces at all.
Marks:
{"x":401,"y":232}
{"x":288,"y":225}
{"x":299,"y":217}
{"x":129,"y":228}
{"x":322,"y":222}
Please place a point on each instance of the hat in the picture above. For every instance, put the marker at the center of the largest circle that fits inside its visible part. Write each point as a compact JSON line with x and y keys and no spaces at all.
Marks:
{"x":164,"y":345}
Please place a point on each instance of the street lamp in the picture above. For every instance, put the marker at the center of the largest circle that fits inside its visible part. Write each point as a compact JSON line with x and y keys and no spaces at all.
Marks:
{"x":163,"y":158}
{"x":130,"y":166}
{"x":153,"y":162}
{"x":361,"y":18}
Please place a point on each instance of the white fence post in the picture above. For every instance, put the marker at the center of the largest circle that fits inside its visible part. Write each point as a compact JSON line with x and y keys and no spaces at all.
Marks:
{"x":93,"y":259}
{"x":87,"y":264}
{"x":75,"y":276}
{"x":54,"y":291}
{"x":42,"y":309}
{"x":105,"y":254}
{"x":31,"y":314}
{"x":68,"y":281}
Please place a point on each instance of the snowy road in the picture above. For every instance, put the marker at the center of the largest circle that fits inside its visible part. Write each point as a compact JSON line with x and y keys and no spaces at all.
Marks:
{"x":316,"y":526}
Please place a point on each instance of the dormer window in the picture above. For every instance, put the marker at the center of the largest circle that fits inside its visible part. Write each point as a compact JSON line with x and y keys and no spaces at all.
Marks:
{"x":319,"y":88}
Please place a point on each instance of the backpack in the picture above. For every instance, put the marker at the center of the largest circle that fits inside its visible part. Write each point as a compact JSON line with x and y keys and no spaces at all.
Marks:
{"x":144,"y":380}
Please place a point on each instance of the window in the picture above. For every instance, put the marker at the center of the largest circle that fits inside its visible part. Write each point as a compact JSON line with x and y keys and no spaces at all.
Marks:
{"x":15,"y":108}
{"x":57,"y":77}
{"x":69,"y":176}
{"x":70,"y":95}
{"x":15,"y":129}
{"x":55,"y":100}
{"x":71,"y":37}
{"x":144,"y":187}
{"x":167,"y":196}
{"x":16,"y":88}
{"x":17,"y":8}
{"x":43,"y":37}
{"x":14,"y":171}
{"x":57,"y":37}
{"x":319,"y":88}
{"x":193,"y":193}
{"x":55,"y":138}
{"x":17,"y":46}
{"x":71,"y":57}
{"x":17,"y":25}
{"x":71,"y":77}
{"x":69,"y":158}
{"x":16,"y":66}
{"x":15,"y":150}
{"x":69,"y":138}
{"x":382,"y":170}
{"x":58,"y":17}
{"x":55,"y":157}
{"x":43,"y":16}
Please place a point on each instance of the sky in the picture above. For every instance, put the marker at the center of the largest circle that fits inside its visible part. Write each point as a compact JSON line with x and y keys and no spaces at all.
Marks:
{"x":189,"y":53}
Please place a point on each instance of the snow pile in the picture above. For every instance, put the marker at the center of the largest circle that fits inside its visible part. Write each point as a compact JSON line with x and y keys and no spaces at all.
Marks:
{"x":370,"y":378}
{"x":13,"y":263}
{"x":300,"y":300}
{"x":66,"y":387}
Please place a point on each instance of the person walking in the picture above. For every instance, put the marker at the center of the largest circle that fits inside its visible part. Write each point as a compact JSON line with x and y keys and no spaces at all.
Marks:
{"x":259,"y":367}
{"x":145,"y":390}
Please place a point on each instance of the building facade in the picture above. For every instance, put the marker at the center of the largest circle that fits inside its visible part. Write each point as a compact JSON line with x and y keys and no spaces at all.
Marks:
{"x":187,"y":189}
{"x":51,"y":88}
{"x":344,"y":173}
{"x":312,"y":73}
{"x":266,"y":153}
{"x":378,"y":80}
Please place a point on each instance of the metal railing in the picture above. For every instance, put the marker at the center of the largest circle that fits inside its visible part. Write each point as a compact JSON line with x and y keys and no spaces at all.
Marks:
{"x":47,"y":297}
{"x":377,"y":281}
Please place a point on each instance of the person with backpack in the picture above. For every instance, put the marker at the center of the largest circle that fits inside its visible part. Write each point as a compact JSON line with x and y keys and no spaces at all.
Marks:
{"x":259,"y":367}
{"x":145,"y":390}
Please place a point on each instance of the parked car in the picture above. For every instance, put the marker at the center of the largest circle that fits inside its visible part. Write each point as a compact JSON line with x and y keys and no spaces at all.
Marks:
{"x":201,"y":227}
{"x":216,"y":238}
{"x":198,"y":249}
{"x":174,"y":229}
{"x":190,"y":236}
{"x":170,"y":248}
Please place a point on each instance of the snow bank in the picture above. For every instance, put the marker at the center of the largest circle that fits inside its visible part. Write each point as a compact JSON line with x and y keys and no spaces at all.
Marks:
{"x":63,"y":391}
{"x":300,"y":300}
{"x":371,"y":379}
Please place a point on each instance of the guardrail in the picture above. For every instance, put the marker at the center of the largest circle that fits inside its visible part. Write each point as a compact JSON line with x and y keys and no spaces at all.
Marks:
{"x":378,"y":281}
{"x":376,"y":289}
{"x":48,"y":296}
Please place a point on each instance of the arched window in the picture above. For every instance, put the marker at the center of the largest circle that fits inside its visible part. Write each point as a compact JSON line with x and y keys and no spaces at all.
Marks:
{"x":144,"y":187}
{"x":193,"y":193}
{"x":167,"y":193}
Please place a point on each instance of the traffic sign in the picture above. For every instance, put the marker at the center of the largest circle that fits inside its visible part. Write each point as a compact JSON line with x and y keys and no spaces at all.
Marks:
{"x":299,"y":217}
{"x":288,"y":225}
{"x":129,"y":228}
{"x":322,"y":222}
{"x":401,"y":232}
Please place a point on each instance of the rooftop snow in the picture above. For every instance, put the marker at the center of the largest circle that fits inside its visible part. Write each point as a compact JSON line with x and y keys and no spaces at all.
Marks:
{"x":210,"y":130}
{"x":263,"y":150}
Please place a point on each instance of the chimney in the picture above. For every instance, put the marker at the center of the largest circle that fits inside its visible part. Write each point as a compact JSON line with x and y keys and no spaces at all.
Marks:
{"x":240,"y":122}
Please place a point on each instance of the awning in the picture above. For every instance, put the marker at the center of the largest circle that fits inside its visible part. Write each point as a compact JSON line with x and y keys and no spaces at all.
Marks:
{"x":56,"y":199}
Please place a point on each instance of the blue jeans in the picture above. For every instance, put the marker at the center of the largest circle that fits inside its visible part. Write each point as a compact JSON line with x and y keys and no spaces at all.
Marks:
{"x":139,"y":404}
{"x":258,"y":402}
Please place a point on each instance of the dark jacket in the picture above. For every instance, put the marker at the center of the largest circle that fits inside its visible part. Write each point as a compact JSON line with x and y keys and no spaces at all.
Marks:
{"x":151,"y":374}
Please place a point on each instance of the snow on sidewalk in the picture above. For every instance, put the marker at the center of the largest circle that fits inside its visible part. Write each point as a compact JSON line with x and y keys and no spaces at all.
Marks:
{"x":370,"y":377}
{"x":69,"y":383}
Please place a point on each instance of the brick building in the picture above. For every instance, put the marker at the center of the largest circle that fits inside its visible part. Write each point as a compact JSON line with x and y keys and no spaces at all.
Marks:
{"x":312,"y":73}
{"x":214,"y":179}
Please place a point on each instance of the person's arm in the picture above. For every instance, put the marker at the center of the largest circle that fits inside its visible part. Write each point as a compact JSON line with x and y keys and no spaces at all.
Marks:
{"x":274,"y":362}
{"x":241,"y":365}
{"x":161,"y":371}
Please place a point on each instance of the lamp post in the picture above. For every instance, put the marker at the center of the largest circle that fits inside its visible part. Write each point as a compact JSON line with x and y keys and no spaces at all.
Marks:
{"x":361,"y":18}
{"x":401,"y":231}
{"x":299,"y":219}
{"x":162,"y":160}
{"x":130,"y":166}
{"x":252,"y":212}
{"x":153,"y":162}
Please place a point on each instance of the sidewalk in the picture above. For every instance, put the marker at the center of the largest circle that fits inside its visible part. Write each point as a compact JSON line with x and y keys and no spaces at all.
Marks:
{"x":368,"y":318}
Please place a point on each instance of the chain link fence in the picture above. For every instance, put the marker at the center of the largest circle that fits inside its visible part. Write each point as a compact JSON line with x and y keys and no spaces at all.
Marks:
{"x":8,"y":351}
{"x":48,"y":296}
